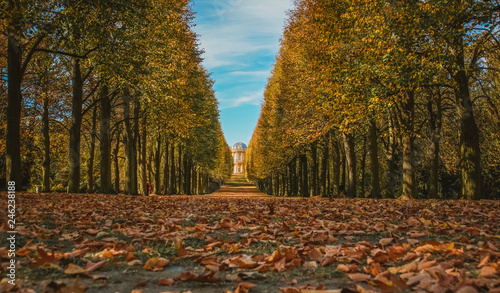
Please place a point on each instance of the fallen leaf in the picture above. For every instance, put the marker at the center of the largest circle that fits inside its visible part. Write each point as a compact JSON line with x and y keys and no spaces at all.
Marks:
{"x":166,"y":282}
{"x":91,"y":266}
{"x":73,"y":269}
{"x":359,"y":277}
{"x":155,"y":264}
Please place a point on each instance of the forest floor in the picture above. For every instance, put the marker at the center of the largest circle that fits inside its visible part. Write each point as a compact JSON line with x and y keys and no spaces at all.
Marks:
{"x":240,"y":240}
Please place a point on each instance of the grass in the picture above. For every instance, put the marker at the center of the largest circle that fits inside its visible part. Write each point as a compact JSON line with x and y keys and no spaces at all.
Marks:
{"x":41,"y":273}
{"x":261,"y":248}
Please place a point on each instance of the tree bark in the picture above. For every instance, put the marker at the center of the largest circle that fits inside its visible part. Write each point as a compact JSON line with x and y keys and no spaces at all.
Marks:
{"x":46,"y":143}
{"x":314,"y":168}
{"x":435,"y":123}
{"x":172,"y":171}
{"x":470,"y":153}
{"x":75,"y":129}
{"x":143,"y":151}
{"x":392,"y":158}
{"x":337,"y":165}
{"x":292,"y":171}
{"x":130,"y":147}
{"x":374,"y":162}
{"x":408,"y":113}
{"x":350,"y":157}
{"x":104,"y":140}
{"x":187,"y":175}
{"x":363,"y":169}
{"x":179,"y":172}
{"x":166,"y":168}
{"x":157,"y":186}
{"x":135,"y":142}
{"x":90,"y":167}
{"x":324,"y":166}
{"x":117,"y":167}
{"x":304,"y":175}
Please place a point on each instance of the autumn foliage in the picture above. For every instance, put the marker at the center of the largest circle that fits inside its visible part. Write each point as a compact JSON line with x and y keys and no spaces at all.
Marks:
{"x":255,"y":243}
{"x":382,"y":99}
{"x":109,"y":96}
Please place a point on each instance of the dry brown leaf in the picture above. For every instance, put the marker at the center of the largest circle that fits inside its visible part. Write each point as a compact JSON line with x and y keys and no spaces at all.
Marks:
{"x":73,"y":269}
{"x":155,"y":264}
{"x":488,"y":271}
{"x":166,"y":282}
{"x":91,"y":266}
{"x":244,"y":287}
{"x":358,"y":277}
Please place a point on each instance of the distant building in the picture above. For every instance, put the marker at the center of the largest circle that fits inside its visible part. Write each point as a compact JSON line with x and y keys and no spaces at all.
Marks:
{"x":238,"y":152}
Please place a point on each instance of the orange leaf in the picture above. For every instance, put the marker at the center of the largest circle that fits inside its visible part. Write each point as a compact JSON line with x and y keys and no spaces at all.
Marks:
{"x":166,"y":282}
{"x":359,"y":277}
{"x":73,"y":269}
{"x":90,"y":266}
{"x":244,"y":287}
{"x":488,"y":271}
{"x":155,"y":264}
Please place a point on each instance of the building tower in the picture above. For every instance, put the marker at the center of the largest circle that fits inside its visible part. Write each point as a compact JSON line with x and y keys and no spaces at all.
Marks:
{"x":238,"y":152}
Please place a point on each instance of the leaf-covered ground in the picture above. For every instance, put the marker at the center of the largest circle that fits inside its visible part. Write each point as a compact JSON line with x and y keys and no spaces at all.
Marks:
{"x":238,"y":240}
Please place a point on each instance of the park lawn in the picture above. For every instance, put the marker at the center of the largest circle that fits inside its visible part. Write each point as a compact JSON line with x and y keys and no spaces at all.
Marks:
{"x":120,"y":243}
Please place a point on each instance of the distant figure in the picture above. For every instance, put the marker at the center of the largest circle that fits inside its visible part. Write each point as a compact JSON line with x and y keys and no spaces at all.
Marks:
{"x":148,"y":188}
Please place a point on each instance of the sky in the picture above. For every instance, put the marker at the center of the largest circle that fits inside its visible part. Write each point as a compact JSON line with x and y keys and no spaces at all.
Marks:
{"x":240,"y":39}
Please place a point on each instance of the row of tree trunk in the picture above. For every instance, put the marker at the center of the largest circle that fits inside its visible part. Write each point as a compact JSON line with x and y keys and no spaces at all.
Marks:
{"x":329,"y":167}
{"x":162,"y":163}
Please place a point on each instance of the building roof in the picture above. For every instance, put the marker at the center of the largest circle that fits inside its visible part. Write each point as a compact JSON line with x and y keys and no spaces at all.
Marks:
{"x":239,"y":146}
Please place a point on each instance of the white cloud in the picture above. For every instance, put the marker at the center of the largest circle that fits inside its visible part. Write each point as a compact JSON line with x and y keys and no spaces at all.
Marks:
{"x":250,"y":98}
{"x":236,"y":28}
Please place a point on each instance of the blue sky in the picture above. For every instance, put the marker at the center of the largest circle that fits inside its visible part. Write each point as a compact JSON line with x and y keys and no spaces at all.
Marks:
{"x":240,"y":39}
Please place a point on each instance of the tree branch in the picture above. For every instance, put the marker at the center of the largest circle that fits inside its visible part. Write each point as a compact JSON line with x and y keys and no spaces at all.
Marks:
{"x":31,"y":52}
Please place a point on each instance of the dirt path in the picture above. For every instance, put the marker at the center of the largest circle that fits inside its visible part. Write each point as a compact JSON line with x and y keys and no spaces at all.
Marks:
{"x":238,"y":186}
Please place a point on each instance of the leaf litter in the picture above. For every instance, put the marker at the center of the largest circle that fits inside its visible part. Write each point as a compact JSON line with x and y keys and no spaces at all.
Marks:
{"x":108,"y":243}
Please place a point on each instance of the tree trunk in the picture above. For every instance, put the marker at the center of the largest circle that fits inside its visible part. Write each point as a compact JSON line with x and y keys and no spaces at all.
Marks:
{"x":304,"y":177}
{"x":187,"y":175}
{"x":143,"y":151}
{"x":172,"y":170}
{"x":470,"y":153}
{"x":314,"y":169}
{"x":194,"y":181}
{"x":46,"y":143}
{"x":130,"y":148}
{"x":179,"y":172}
{"x":166,"y":168}
{"x":135,"y":143}
{"x":90,"y":167}
{"x":104,"y":140}
{"x":14,"y":98}
{"x":200,"y":183}
{"x":408,"y":113}
{"x":292,"y":175}
{"x":350,"y":157}
{"x":117,"y":167}
{"x":392,"y":158}
{"x":270,"y":185}
{"x":324,"y":166}
{"x":337,"y":165}
{"x":435,"y":123}
{"x":363,"y":169}
{"x":374,"y":163}
{"x":75,"y":129}
{"x":157,"y":186}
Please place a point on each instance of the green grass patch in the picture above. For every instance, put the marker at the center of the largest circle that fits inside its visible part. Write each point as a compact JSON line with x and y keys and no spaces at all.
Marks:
{"x":42,"y":273}
{"x":261,"y":248}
